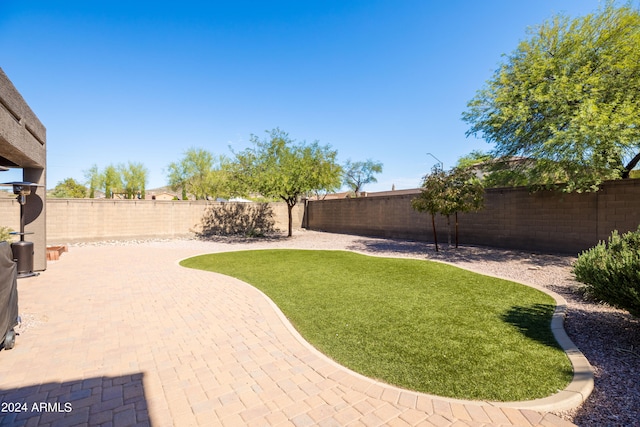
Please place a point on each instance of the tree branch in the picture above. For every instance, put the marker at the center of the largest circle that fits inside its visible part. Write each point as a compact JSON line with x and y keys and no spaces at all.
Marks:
{"x":632,"y":164}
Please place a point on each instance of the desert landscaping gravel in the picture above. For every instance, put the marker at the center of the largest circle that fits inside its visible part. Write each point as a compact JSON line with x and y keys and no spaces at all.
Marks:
{"x":608,"y":337}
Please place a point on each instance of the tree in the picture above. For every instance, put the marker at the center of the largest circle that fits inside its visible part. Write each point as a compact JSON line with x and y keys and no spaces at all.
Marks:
{"x":465,"y":191}
{"x":496,"y":172}
{"x":177,"y":176}
{"x":358,"y":174}
{"x":199,"y":173}
{"x":448,"y":193}
{"x":276,"y":167}
{"x":473,"y":159}
{"x":69,"y":189}
{"x":111,"y":180}
{"x":433,"y":185}
{"x":568,"y":98}
{"x":134,"y":179}
{"x":93,"y":179}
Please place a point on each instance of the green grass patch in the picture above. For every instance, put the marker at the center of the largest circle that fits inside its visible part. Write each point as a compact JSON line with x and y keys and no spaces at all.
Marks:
{"x":421,"y":325}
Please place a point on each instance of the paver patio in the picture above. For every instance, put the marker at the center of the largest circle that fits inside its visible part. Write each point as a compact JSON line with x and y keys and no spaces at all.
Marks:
{"x":122,"y":335}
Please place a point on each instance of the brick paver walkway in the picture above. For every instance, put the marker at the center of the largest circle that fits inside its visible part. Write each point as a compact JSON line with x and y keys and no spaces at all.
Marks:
{"x":122,"y":335}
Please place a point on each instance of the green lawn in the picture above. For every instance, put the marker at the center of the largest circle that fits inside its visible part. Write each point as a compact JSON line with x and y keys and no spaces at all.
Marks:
{"x":420,"y":325}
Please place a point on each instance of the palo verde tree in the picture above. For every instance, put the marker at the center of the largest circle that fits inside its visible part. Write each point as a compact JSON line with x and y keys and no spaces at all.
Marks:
{"x":111,"y":180}
{"x":277,"y":167}
{"x":357,"y":174}
{"x":448,"y":193}
{"x":130,"y":180}
{"x":93,"y":179}
{"x":568,"y":97}
{"x":134,"y":179}
{"x":496,"y":172}
{"x":200,"y":173}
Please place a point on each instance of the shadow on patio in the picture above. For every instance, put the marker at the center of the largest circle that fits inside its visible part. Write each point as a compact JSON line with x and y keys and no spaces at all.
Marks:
{"x":116,"y":400}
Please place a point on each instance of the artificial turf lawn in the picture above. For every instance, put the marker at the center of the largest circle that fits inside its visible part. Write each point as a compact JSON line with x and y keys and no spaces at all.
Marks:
{"x":420,"y":325}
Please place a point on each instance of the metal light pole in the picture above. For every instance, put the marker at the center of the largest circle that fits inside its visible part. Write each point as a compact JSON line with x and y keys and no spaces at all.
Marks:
{"x":438,"y":160}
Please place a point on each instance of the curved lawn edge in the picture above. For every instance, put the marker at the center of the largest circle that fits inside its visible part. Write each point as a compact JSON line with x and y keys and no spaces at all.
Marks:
{"x":580,"y":387}
{"x":582,"y":383}
{"x":572,"y":396}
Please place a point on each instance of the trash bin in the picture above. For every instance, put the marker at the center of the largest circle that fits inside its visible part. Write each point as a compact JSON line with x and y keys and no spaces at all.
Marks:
{"x":8,"y":296}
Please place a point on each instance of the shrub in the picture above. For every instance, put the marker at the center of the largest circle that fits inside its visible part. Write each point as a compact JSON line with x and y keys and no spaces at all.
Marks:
{"x":237,"y":219}
{"x":611,"y":271}
{"x":5,"y":233}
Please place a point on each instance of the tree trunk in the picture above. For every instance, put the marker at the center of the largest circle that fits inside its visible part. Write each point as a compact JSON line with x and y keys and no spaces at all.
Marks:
{"x":632,"y":164}
{"x":456,"y":230}
{"x":289,"y":209}
{"x":449,"y":230}
{"x":435,"y":236}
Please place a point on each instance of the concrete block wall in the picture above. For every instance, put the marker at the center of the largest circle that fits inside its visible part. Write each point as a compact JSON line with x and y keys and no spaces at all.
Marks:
{"x":72,"y":220}
{"x":512,"y":218}
{"x":79,"y":220}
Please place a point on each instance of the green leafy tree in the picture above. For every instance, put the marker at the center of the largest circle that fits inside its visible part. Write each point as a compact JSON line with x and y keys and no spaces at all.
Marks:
{"x":219,"y":179}
{"x":448,"y":193}
{"x":93,"y":179}
{"x":466,"y":193}
{"x":476,"y":158}
{"x":496,"y":172}
{"x":568,"y":97}
{"x":199,"y":173}
{"x":276,"y":167}
{"x":69,"y":189}
{"x":429,"y":200}
{"x":111,"y":180}
{"x":357,"y":174}
{"x":134,"y":179}
{"x":177,"y":176}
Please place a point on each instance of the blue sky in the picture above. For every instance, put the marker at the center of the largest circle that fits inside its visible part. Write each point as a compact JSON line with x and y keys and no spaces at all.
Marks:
{"x":142,"y":81}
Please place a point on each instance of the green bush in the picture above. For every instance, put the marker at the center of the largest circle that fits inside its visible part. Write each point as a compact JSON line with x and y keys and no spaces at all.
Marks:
{"x":611,"y":271}
{"x":237,"y":219}
{"x":4,"y":234}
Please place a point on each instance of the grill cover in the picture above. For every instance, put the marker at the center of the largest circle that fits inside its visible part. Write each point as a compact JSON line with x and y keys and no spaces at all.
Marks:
{"x":8,"y":290}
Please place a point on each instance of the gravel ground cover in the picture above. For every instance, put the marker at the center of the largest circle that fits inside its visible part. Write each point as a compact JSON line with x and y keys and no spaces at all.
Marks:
{"x":609,"y":338}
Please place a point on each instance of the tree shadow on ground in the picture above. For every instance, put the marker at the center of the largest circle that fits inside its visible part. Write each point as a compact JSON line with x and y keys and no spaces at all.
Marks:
{"x":464,"y":253}
{"x":112,"y":400}
{"x":534,"y":322}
